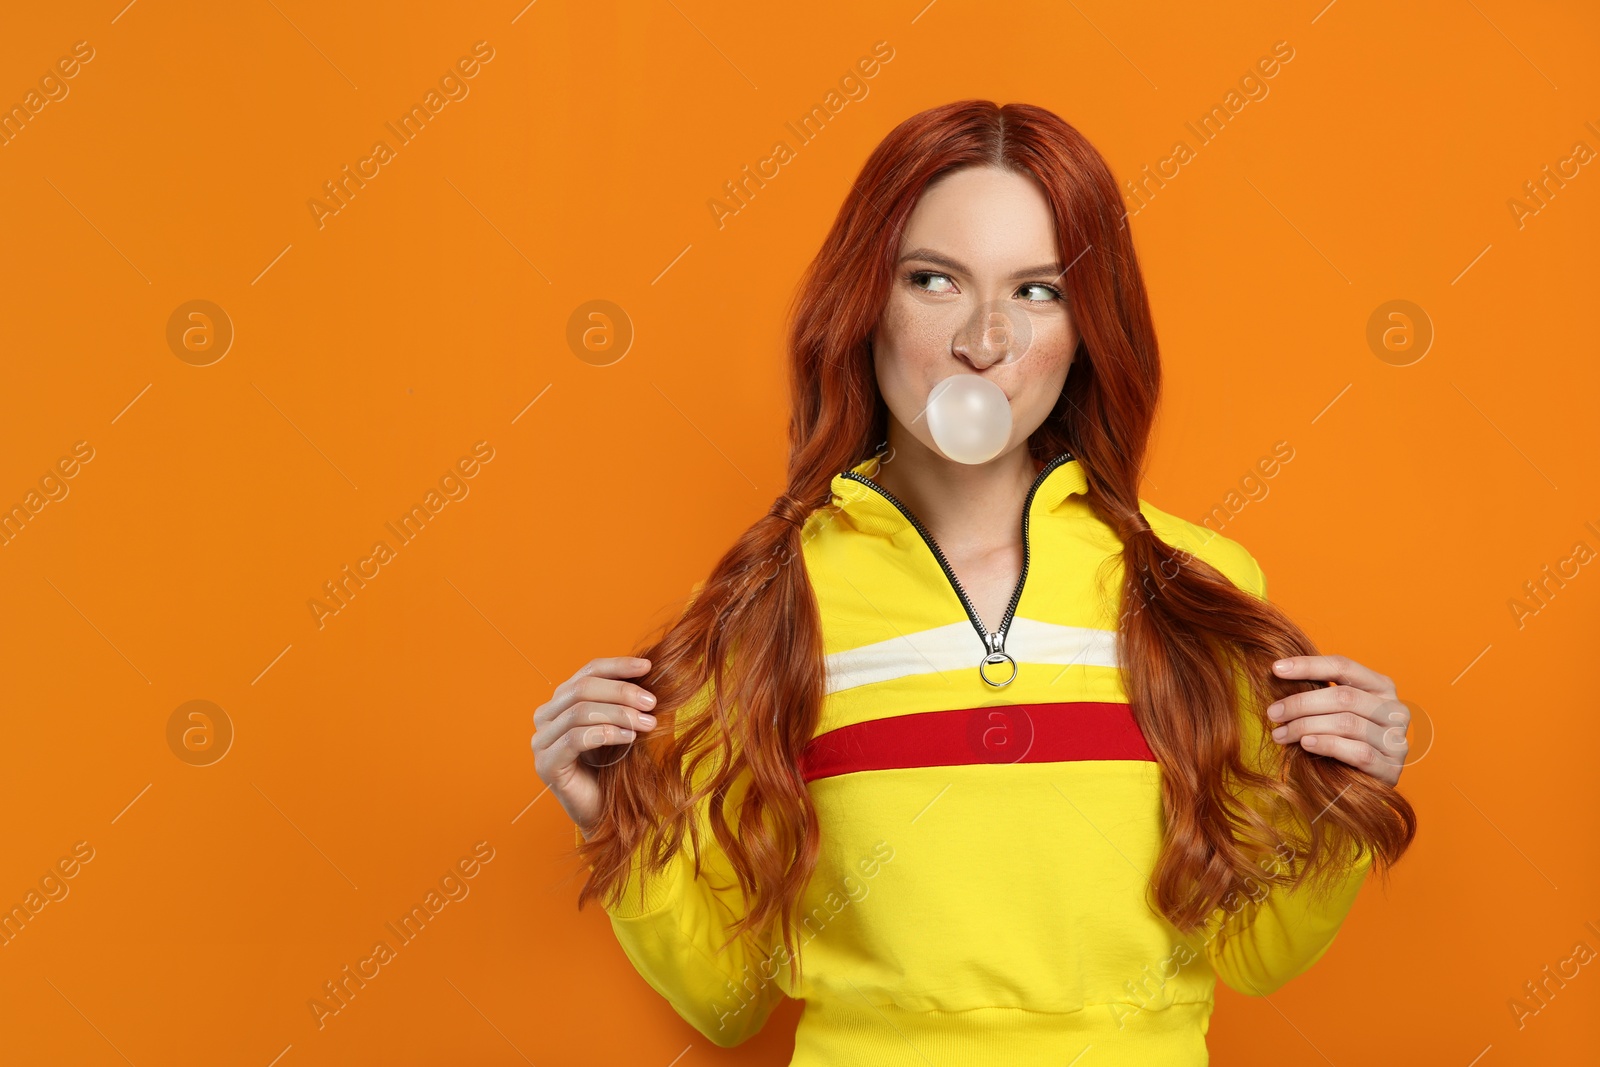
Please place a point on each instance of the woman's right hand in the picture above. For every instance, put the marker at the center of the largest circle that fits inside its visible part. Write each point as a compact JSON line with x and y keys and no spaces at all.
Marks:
{"x":594,"y":709}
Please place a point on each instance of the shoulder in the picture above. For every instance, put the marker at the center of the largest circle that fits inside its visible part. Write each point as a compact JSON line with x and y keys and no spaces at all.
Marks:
{"x":1223,"y":553}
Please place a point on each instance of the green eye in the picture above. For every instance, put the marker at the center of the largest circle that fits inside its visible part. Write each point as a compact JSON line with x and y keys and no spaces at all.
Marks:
{"x":916,"y":277}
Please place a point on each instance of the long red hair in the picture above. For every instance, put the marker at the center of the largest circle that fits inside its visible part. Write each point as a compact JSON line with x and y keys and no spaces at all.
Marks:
{"x":750,"y":644}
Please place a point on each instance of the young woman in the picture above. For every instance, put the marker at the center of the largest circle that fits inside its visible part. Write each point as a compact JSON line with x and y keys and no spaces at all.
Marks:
{"x":988,"y":763}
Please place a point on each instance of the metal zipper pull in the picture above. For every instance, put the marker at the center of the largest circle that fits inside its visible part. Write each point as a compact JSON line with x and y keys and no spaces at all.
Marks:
{"x":995,"y":642}
{"x":997,"y":654}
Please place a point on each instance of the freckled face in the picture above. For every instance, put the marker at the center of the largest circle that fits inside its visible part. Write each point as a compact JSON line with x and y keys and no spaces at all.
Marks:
{"x":978,"y":290}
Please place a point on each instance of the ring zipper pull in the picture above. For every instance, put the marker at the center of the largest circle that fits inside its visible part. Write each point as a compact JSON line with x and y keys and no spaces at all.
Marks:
{"x":997,"y":654}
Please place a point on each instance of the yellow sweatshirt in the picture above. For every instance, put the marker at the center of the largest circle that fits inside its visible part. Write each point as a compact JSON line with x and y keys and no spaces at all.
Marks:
{"x":986,"y":844}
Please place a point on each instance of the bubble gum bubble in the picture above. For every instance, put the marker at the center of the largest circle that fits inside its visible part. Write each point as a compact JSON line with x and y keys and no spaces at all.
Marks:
{"x":969,"y":417}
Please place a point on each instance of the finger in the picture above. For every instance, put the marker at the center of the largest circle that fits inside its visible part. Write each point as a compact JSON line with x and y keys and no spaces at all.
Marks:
{"x":574,"y":744}
{"x":1341,"y":669}
{"x":1357,"y":754}
{"x":593,"y":712}
{"x":616,"y":666}
{"x":594,"y":685}
{"x":587,"y":713}
{"x":1331,"y":699}
{"x":1341,"y":724}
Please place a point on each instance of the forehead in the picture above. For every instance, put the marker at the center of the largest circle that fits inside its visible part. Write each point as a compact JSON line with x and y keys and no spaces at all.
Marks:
{"x":984,"y":216}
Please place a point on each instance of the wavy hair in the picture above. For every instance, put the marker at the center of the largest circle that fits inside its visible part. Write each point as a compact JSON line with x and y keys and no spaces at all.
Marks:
{"x":729,"y":719}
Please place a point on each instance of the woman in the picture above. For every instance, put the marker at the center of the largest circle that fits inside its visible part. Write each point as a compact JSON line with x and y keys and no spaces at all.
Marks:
{"x":977,"y":760}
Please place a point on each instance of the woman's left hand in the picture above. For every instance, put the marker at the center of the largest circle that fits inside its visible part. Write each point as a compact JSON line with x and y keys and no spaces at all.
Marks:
{"x":1359,"y":720}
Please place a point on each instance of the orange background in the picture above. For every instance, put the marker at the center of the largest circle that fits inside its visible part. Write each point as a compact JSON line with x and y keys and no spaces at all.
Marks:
{"x":371,"y":353}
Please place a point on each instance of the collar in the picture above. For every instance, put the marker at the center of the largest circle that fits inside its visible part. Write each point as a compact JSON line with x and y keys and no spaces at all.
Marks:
{"x":871,"y":512}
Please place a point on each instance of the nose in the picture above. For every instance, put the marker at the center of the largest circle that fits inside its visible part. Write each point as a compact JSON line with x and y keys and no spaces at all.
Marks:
{"x":989,"y":336}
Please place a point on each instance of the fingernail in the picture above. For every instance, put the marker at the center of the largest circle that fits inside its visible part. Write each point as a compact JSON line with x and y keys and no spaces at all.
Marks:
{"x":1309,"y":742}
{"x":1281,"y":665}
{"x":648,"y":720}
{"x":648,"y":700}
{"x":1275,"y":712}
{"x":1280,"y":733}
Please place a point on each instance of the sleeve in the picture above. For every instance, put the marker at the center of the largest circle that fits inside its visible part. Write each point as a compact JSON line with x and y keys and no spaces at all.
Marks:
{"x":671,"y":933}
{"x":1284,"y":932}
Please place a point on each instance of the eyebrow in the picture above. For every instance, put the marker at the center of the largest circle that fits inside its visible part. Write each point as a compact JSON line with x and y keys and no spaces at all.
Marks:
{"x":1054,"y":270}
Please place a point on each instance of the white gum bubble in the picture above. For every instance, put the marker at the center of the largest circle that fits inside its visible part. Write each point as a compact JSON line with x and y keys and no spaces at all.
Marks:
{"x":969,"y":418}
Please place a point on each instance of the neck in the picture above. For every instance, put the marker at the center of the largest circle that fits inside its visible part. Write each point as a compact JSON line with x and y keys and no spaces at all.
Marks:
{"x":963,"y":505}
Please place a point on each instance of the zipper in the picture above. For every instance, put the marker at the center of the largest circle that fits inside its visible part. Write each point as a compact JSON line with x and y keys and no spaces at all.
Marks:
{"x":994,"y":644}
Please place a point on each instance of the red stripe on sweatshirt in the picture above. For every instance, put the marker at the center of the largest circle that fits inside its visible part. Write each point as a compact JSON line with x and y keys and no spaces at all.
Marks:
{"x":1011,"y":733}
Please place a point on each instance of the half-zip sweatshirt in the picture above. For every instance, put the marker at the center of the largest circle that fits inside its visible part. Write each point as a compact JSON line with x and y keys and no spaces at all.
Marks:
{"x":986,"y":838}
